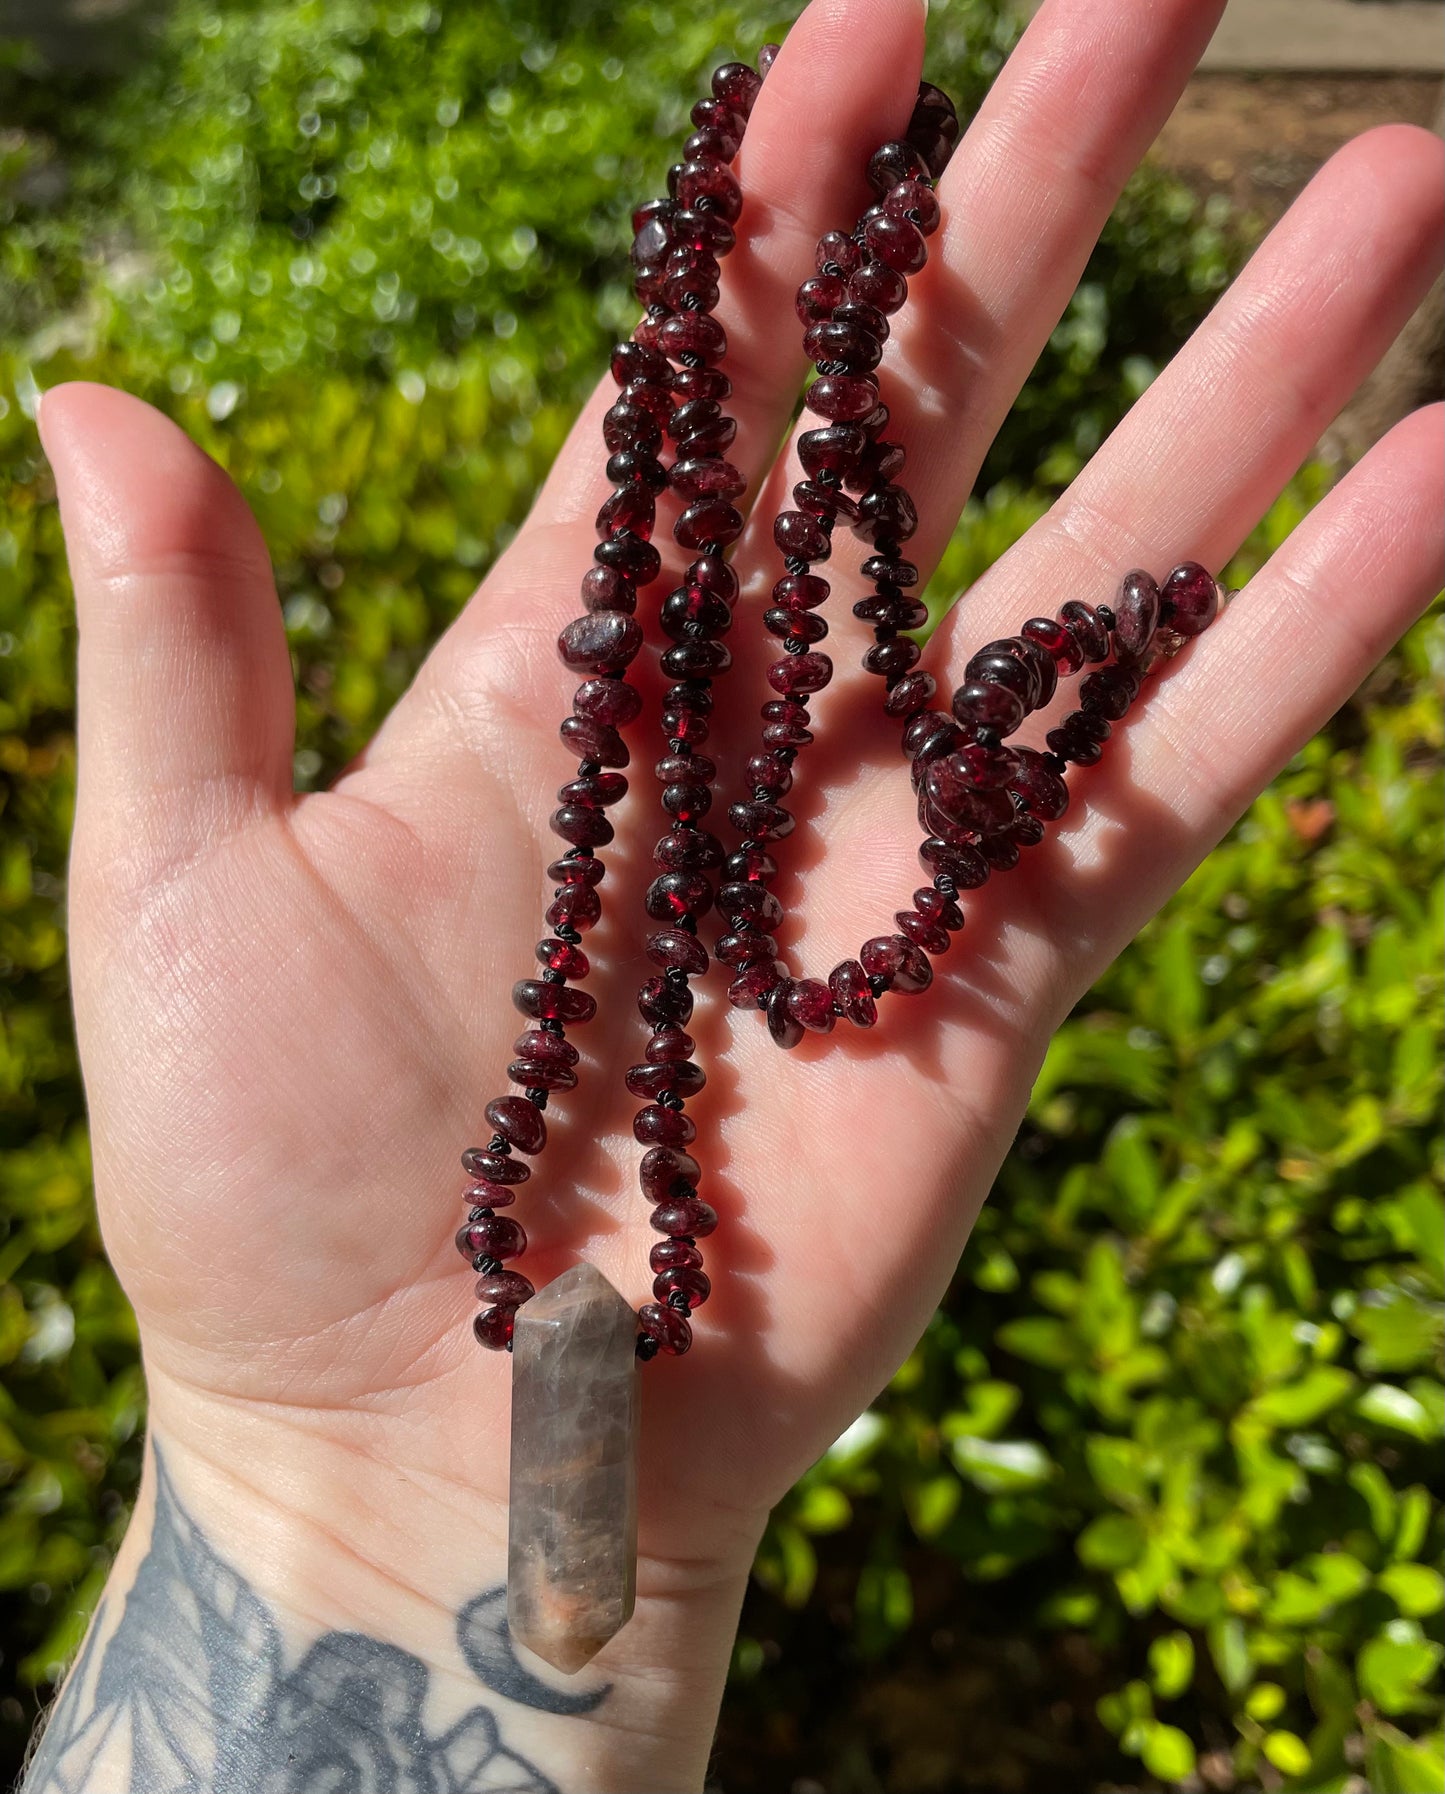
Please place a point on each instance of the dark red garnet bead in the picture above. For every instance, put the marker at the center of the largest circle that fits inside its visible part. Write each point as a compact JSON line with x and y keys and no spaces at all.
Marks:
{"x":674,"y":1255}
{"x":684,"y":1280}
{"x":494,"y":1167}
{"x":518,"y":1122}
{"x":667,"y":1326}
{"x":553,"y":1002}
{"x":895,"y":959}
{"x":493,"y":1328}
{"x":1189,"y":599}
{"x":492,"y":1236}
{"x":509,"y":1289}
{"x":849,"y":988}
{"x":669,"y":1044}
{"x":656,"y":1126}
{"x":687,"y":1217}
{"x":667,"y":1173}
{"x":783,"y":1025}
{"x":1136,"y":615}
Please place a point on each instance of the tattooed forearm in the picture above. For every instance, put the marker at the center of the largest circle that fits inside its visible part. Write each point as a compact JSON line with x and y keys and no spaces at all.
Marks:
{"x":191,"y":1694}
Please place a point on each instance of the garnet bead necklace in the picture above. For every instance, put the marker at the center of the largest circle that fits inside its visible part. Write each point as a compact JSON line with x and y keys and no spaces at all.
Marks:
{"x":981,"y":803}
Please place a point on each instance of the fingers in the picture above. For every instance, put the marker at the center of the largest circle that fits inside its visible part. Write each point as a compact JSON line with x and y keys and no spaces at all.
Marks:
{"x":845,"y":81}
{"x":1204,"y":453}
{"x":1024,"y":198}
{"x":1285,"y":655}
{"x":185,"y":692}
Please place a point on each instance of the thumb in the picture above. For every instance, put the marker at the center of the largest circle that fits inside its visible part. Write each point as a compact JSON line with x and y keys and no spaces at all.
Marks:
{"x":186,"y":710}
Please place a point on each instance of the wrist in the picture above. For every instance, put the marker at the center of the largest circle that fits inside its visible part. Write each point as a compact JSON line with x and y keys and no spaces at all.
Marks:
{"x":361,"y":1588}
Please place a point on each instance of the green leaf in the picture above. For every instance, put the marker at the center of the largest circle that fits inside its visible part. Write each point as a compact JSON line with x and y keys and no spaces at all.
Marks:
{"x":1388,"y":1405}
{"x":1396,"y":1764}
{"x":1298,"y":1404}
{"x":1167,"y":1752}
{"x":1415,"y":1589}
{"x":1392,"y":1669}
{"x":1171,"y":1664}
{"x":1288,"y":1752}
{"x":1111,"y":1542}
{"x":1039,"y":1340}
{"x":999,"y":1466}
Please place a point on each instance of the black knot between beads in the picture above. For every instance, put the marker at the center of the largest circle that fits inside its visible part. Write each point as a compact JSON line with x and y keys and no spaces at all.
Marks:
{"x":537,"y":1098}
{"x":646,"y":1347}
{"x":878,"y":984}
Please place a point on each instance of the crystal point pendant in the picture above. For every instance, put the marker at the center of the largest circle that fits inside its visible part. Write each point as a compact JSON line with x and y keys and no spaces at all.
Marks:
{"x":572,"y":1542}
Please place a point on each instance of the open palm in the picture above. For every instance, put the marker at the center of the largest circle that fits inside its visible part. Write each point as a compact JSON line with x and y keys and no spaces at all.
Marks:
{"x":293,"y":1010}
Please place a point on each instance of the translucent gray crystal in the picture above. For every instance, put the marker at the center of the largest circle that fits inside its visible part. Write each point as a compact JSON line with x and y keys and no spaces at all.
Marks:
{"x":572,"y":1529}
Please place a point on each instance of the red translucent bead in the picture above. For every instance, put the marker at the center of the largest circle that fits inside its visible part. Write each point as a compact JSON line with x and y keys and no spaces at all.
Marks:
{"x":798,"y":534}
{"x":1110,"y":691}
{"x":675,"y":948}
{"x":544,"y":1048}
{"x":893,"y":957}
{"x":932,"y":937}
{"x":769,"y":772}
{"x":886,"y":511}
{"x":707,"y":476}
{"x":842,"y":397}
{"x":819,"y":297}
{"x":800,"y":591}
{"x":749,"y":901}
{"x":1070,"y":743}
{"x":518,"y":1121}
{"x":933,"y":129}
{"x":708,"y":178}
{"x":492,"y":1236}
{"x":892,"y":659}
{"x":878,"y":285}
{"x":586,"y":870}
{"x":683,"y":850}
{"x":848,"y":987}
{"x":701,"y":383}
{"x":630,"y":361}
{"x":913,"y":692}
{"x":811,"y":1003}
{"x":966,"y":866}
{"x":1190,"y":599}
{"x":532,"y":1076}
{"x":837,"y":251}
{"x":1082,"y":622}
{"x":933,"y":906}
{"x":674,"y":1255}
{"x":1056,"y":640}
{"x":1136,"y":615}
{"x":693,"y":333}
{"x":708,"y":520}
{"x":849,"y":347}
{"x":980,"y":705}
{"x":597,"y":789}
{"x":630,"y":508}
{"x":679,"y":1077}
{"x":916,"y":202}
{"x":484,"y":1195}
{"x":604,"y":588}
{"x":744,"y":947}
{"x":686,"y":1218}
{"x":660,"y":1001}
{"x":581,"y":825}
{"x":783,"y":1025}
{"x":896,"y":242}
{"x":633,"y":557}
{"x":549,"y":1002}
{"x":610,"y":702}
{"x":510,"y":1289}
{"x":795,"y":626}
{"x":678,"y":894}
{"x":929,"y":734}
{"x":494,"y":1167}
{"x":1001,"y":852}
{"x":561,"y":956}
{"x":893,"y":162}
{"x":656,"y":1126}
{"x":696,"y":1285}
{"x":670,"y":1329}
{"x":672,"y":767}
{"x":758,"y":820}
{"x":600,"y":642}
{"x":593,"y":740}
{"x":737,"y":86}
{"x":575,"y":906}
{"x":755,"y":983}
{"x":668,"y":1044}
{"x":666,"y":1174}
{"x":1028,"y":831}
{"x":493,"y":1328}
{"x":836,"y":449}
{"x":1044,"y":793}
{"x":800,"y":673}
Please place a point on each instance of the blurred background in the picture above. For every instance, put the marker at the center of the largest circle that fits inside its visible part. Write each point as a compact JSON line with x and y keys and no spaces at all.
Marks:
{"x":1157,"y":1500}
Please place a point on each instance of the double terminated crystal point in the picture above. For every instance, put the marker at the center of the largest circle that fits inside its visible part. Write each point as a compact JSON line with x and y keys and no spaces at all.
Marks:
{"x":572,"y":1542}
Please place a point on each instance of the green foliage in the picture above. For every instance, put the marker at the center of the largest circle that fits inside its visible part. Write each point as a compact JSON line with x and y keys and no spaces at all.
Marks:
{"x":1183,"y":1405}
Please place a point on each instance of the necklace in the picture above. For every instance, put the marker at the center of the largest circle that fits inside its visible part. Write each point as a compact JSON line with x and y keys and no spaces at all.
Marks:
{"x":981,"y":803}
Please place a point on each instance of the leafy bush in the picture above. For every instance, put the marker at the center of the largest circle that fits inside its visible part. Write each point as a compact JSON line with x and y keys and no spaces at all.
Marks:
{"x":1171,"y":1434}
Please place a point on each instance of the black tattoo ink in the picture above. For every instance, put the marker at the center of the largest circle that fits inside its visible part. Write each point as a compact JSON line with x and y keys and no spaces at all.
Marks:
{"x":191,"y":1691}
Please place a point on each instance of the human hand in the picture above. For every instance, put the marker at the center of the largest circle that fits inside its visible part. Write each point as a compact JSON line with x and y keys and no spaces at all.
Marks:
{"x":292,"y":1011}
